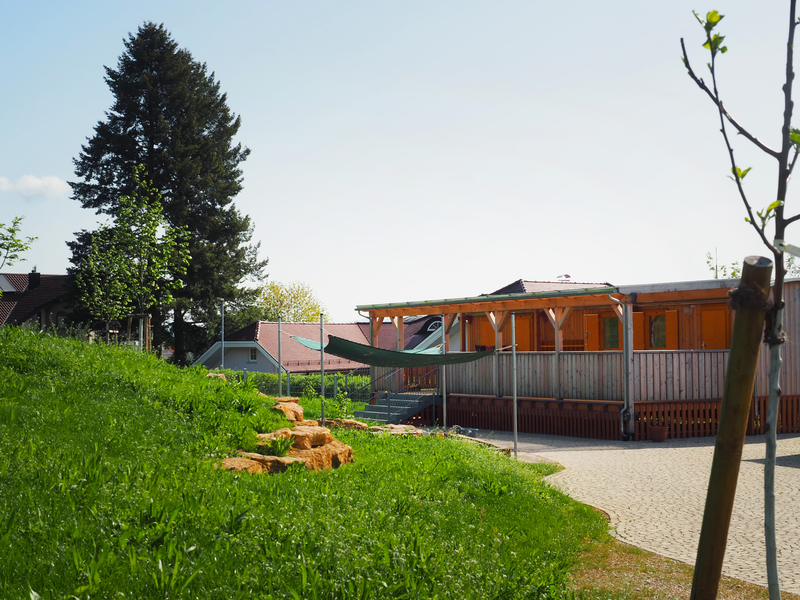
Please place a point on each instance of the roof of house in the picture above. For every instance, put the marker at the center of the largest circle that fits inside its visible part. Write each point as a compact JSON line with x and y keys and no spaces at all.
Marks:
{"x":295,"y":356}
{"x":299,"y":358}
{"x":522,"y":286}
{"x":28,"y":298}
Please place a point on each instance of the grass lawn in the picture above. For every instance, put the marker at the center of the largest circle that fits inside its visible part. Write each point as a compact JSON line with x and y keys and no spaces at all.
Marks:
{"x":108,"y":489}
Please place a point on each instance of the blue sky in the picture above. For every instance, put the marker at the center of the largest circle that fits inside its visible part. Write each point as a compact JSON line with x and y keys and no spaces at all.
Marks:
{"x":427,"y":149}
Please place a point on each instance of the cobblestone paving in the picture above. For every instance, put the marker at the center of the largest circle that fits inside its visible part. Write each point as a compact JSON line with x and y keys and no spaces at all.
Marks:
{"x":654,"y":495}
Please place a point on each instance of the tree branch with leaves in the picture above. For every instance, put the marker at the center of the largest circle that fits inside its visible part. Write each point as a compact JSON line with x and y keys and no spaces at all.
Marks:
{"x":773,"y":213}
{"x":11,"y":244}
{"x":136,"y":262}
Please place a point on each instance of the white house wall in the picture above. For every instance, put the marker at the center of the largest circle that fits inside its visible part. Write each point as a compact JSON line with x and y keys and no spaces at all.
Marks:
{"x":238,"y":359}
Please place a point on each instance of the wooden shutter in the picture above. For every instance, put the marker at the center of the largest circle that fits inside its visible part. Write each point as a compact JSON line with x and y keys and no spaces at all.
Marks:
{"x":591,"y":326}
{"x":714,"y":328}
{"x":672,"y":329}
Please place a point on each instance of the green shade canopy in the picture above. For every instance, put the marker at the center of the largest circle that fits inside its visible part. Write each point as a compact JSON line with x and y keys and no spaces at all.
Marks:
{"x":377,"y":357}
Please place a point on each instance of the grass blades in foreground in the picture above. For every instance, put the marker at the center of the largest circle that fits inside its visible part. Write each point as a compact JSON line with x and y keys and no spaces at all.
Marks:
{"x":612,"y":570}
{"x":108,"y":490}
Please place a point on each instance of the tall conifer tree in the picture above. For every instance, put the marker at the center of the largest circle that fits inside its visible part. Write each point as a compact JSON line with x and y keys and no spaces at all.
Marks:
{"x":169,"y":115}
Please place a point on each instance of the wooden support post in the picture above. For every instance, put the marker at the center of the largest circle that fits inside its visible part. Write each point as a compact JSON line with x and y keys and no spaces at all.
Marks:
{"x":749,"y":301}
{"x":497,"y":319}
{"x":374,"y":327}
{"x":399,"y":324}
{"x":449,"y":321}
{"x":557,"y":316}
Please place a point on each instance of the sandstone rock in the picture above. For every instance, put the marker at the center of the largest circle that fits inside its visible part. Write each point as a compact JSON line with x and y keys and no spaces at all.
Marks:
{"x":329,"y":456}
{"x":272,"y":464}
{"x":217,"y":375}
{"x":238,"y":463}
{"x":287,"y":399}
{"x":274,"y":435}
{"x":311,"y":437}
{"x":397,"y":430}
{"x":308,"y":423}
{"x":346,"y":424}
{"x":292,"y":410}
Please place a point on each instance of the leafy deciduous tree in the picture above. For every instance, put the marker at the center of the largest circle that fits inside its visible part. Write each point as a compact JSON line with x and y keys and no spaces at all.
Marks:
{"x":11,"y":245}
{"x":136,"y":261}
{"x":169,"y":115}
{"x":293,"y":302}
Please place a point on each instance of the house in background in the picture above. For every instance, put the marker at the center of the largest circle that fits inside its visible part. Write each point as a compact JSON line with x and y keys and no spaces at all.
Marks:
{"x":34,"y":300}
{"x":255,"y":347}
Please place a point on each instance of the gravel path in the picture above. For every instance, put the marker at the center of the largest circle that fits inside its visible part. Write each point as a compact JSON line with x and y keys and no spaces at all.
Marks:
{"x":654,"y":495}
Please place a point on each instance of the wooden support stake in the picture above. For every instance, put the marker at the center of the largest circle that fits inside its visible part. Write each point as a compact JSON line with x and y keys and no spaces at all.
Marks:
{"x":749,"y":300}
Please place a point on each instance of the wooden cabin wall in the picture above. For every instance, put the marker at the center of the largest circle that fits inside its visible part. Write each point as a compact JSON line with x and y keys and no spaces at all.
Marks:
{"x":704,"y":326}
{"x":790,"y":351}
{"x":700,"y":326}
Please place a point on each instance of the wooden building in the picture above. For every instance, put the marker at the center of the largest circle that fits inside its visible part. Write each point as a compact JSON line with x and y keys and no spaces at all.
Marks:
{"x":597,"y":360}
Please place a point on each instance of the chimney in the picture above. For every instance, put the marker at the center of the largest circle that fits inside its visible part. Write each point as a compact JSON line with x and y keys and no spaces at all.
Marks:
{"x":34,"y":279}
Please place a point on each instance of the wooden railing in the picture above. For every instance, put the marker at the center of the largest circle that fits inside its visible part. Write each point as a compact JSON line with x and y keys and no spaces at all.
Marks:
{"x":699,"y":418}
{"x":679,"y":374}
{"x":581,"y":375}
{"x":658,"y":375}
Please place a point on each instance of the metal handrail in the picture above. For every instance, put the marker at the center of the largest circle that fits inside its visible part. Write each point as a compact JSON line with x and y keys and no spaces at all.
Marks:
{"x":403,"y":390}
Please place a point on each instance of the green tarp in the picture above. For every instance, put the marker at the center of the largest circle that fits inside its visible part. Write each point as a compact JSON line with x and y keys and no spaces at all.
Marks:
{"x":390,"y":358}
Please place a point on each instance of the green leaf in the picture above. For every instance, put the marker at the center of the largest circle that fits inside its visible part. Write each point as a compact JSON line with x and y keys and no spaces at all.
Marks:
{"x":794,"y":135}
{"x":739,"y":173}
{"x":774,"y":205}
{"x":714,"y":17}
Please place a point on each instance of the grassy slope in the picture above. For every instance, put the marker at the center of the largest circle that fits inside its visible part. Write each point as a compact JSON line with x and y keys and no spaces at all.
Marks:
{"x":108,"y":489}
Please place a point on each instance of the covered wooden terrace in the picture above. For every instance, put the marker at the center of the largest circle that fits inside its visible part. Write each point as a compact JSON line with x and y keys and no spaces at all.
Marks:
{"x":612,"y":377}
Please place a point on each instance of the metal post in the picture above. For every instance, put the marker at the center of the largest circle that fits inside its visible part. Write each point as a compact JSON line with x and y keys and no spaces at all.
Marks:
{"x":495,"y":360}
{"x":322,"y":362}
{"x":444,"y":376}
{"x":280,"y":364}
{"x":222,"y":335}
{"x":514,"y":375}
{"x":288,"y":384}
{"x":629,"y":420}
{"x":141,"y":333}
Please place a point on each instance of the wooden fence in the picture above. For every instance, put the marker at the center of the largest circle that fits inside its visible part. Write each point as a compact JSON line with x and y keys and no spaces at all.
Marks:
{"x":679,"y":388}
{"x":679,"y":374}
{"x":601,"y":420}
{"x":658,"y":375}
{"x":580,"y":375}
{"x":577,"y":418}
{"x":699,"y":418}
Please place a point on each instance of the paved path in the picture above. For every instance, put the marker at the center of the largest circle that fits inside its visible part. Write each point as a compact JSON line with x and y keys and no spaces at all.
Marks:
{"x":654,"y":495}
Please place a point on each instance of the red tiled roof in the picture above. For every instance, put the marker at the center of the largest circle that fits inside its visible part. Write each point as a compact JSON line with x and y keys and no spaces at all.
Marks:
{"x":17,"y":307}
{"x":297,"y":358}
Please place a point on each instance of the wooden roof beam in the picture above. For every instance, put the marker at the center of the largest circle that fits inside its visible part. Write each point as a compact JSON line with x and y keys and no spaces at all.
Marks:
{"x":529,"y":304}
